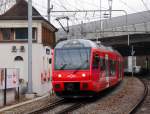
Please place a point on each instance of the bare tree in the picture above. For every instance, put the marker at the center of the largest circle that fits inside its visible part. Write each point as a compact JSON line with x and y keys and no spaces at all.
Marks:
{"x":5,"y":5}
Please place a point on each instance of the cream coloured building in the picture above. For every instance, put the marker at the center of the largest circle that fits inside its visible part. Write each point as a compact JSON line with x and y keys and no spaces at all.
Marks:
{"x":14,"y":46}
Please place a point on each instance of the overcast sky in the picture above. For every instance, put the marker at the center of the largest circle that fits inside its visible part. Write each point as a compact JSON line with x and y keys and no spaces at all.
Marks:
{"x":131,"y":6}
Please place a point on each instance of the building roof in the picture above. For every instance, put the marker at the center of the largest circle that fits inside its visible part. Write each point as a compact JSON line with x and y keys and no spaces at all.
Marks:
{"x":20,"y":12}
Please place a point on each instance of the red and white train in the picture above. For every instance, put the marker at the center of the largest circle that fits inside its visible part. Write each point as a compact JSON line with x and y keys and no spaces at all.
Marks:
{"x":81,"y":68}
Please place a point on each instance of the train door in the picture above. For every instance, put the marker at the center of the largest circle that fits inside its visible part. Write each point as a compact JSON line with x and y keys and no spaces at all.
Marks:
{"x":102,"y":78}
{"x":117,"y":69}
{"x":107,"y":70}
{"x":120,"y":70}
{"x":112,"y":72}
{"x":95,"y":67}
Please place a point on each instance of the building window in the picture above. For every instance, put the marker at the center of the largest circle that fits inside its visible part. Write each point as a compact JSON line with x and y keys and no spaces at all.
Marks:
{"x":18,"y":58}
{"x":6,"y":34}
{"x":22,"y":33}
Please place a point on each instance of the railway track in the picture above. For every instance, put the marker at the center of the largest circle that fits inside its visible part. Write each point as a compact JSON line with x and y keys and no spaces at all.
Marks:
{"x":48,"y":107}
{"x":138,"y":104}
{"x":64,"y":106}
{"x":71,"y":108}
{"x":68,"y":108}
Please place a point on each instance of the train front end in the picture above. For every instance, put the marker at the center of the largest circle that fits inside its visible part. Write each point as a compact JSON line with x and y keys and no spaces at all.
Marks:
{"x":71,"y":70}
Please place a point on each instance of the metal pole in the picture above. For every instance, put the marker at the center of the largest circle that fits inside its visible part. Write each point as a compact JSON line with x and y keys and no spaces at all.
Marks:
{"x":132,"y":53}
{"x":128,"y":39}
{"x":5,"y":87}
{"x":100,"y":21}
{"x":29,"y":46}
{"x":48,"y":10}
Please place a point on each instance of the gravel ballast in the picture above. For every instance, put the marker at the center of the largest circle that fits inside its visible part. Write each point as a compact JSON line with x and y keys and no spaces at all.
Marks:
{"x":120,"y":101}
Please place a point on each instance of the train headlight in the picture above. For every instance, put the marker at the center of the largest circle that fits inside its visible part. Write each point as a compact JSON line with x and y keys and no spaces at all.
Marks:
{"x":59,"y":75}
{"x":83,"y":75}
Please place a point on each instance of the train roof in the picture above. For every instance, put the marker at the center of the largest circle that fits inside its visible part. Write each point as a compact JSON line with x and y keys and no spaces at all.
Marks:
{"x":77,"y":43}
{"x":80,"y":43}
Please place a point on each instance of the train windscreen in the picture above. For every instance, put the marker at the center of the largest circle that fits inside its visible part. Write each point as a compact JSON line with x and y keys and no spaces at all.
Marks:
{"x":72,"y":59}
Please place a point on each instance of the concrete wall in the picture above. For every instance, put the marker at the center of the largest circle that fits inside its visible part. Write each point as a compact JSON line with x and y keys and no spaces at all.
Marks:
{"x":10,"y":96}
{"x":39,"y":66}
{"x":89,"y":31}
{"x":141,"y":61}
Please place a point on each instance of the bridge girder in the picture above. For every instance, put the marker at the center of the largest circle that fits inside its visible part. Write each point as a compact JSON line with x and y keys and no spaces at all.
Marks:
{"x":140,"y":42}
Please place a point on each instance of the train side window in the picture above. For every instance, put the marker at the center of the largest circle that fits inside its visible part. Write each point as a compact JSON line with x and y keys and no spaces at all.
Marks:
{"x":102,"y":64}
{"x":120,"y":68}
{"x":112,"y":67}
{"x":106,"y":67}
{"x":95,"y":62}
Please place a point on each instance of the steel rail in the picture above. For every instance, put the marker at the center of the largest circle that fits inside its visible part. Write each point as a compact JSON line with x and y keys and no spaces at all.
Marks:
{"x":48,"y":107}
{"x":138,"y":104}
{"x":71,"y":108}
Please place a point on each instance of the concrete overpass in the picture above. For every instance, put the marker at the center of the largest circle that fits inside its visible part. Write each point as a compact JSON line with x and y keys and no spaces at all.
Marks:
{"x":140,"y":43}
{"x":115,"y":32}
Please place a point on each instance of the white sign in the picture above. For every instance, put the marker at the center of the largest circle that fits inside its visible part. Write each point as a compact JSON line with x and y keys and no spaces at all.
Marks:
{"x":12,"y":78}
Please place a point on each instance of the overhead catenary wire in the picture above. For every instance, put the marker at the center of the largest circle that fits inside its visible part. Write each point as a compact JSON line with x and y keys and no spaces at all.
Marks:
{"x":58,"y":4}
{"x":145,"y":5}
{"x":135,"y":11}
{"x":63,"y":6}
{"x":67,"y":5}
{"x":131,"y":8}
{"x":75,"y":17}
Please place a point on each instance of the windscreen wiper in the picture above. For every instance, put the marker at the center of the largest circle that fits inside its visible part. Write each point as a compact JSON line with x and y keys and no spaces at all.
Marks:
{"x":63,"y":66}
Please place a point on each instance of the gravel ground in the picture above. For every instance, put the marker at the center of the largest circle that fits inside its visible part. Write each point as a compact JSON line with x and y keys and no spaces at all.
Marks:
{"x":117,"y":102}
